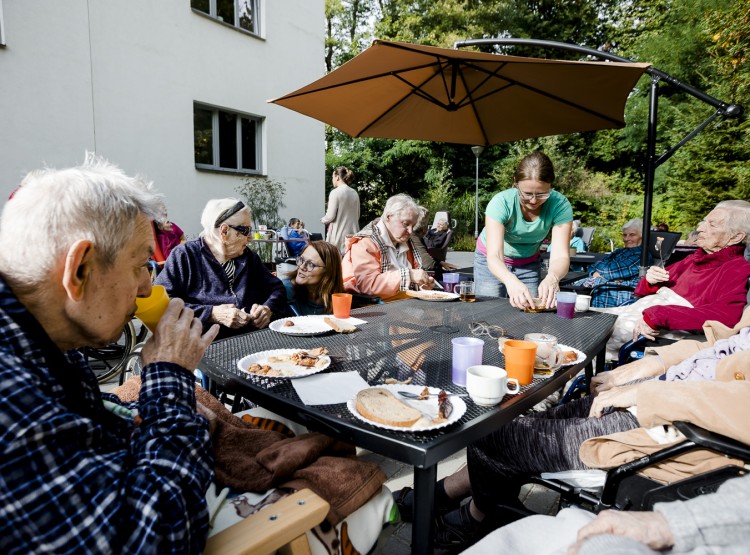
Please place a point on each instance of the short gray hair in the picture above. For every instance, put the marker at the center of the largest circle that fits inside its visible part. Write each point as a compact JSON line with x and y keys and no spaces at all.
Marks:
{"x":213,"y":210}
{"x":575,"y":227}
{"x":740,"y":220}
{"x":53,"y":209}
{"x":635,"y":223}
{"x":400,"y":203}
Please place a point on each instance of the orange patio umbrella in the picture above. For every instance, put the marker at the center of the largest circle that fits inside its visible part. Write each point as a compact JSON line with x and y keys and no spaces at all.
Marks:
{"x":405,"y":91}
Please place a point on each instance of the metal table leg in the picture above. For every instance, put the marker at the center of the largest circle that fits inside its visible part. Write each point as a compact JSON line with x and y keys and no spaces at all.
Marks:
{"x":424,"y":514}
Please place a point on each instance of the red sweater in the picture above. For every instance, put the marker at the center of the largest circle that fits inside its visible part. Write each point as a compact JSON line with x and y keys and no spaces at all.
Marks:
{"x":715,"y":284}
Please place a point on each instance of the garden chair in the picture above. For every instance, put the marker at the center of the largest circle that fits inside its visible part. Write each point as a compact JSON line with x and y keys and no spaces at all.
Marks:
{"x":279,"y":527}
{"x":587,"y":235}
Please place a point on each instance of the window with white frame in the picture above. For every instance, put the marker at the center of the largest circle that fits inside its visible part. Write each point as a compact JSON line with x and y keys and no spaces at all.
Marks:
{"x":226,"y":140}
{"x":243,"y":14}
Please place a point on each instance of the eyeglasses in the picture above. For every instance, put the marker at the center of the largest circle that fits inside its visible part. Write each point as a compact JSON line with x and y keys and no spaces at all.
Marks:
{"x":307,"y":265}
{"x":484,"y":328}
{"x":241,"y":229}
{"x":528,"y":196}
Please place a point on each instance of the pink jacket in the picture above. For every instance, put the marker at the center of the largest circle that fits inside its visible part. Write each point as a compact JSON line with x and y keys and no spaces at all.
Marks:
{"x":715,"y":284}
{"x":365,"y":266}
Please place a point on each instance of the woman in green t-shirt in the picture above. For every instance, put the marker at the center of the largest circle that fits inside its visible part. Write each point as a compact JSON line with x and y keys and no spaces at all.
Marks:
{"x":507,"y":262}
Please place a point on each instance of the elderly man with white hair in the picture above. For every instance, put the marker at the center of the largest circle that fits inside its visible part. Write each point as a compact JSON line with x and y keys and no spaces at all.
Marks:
{"x":221,"y":279}
{"x":620,"y":267}
{"x":82,"y":471}
{"x":381,"y":259}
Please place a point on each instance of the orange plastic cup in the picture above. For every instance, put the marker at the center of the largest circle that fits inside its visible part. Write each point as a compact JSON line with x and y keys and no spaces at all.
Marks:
{"x":519,"y":360}
{"x":342,"y":305}
{"x":149,"y":310}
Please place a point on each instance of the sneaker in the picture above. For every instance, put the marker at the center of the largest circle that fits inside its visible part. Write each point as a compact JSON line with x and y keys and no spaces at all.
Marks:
{"x":404,"y":499}
{"x":457,"y":530}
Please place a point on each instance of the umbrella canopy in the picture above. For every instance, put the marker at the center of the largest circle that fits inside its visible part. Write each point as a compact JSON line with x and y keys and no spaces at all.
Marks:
{"x":405,"y":91}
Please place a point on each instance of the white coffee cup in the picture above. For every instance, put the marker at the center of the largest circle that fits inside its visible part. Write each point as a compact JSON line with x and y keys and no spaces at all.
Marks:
{"x":583,"y":303}
{"x":487,"y":385}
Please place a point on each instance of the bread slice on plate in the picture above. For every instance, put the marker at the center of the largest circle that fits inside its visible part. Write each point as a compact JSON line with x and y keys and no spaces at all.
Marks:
{"x":380,"y":405}
{"x":339,"y":326}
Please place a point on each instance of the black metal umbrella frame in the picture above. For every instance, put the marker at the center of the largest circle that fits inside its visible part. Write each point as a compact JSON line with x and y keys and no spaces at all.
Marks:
{"x":723,"y":109}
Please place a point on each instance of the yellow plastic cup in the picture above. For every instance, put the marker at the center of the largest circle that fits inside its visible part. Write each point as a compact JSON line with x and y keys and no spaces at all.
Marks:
{"x":149,"y":310}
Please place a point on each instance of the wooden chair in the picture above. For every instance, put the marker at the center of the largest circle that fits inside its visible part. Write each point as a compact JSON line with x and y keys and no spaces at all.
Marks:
{"x":280,"y":527}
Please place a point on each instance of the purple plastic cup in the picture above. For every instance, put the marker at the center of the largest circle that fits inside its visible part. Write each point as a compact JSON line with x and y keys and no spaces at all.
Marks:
{"x":566,"y":304}
{"x":450,"y":281}
{"x":467,"y":351}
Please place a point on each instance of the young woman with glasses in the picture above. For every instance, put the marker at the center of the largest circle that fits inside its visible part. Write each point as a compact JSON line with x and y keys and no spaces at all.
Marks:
{"x":317,"y":278}
{"x":507,"y":262}
{"x":222,"y":280}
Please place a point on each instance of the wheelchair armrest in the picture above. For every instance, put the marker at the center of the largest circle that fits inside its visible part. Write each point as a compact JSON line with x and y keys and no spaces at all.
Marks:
{"x":711,"y":440}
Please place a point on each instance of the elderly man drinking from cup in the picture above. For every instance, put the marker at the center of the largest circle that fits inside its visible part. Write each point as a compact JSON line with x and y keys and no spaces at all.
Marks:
{"x":82,"y":471}
{"x":221,"y":279}
{"x":381,"y":259}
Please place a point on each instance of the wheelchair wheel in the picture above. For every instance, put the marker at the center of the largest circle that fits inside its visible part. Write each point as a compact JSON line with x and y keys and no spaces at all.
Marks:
{"x":109,"y":361}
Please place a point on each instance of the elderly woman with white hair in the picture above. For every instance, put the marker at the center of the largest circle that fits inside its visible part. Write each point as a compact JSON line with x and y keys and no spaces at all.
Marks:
{"x":222,"y":280}
{"x":381,"y":259}
{"x":620,"y":267}
{"x":710,"y":284}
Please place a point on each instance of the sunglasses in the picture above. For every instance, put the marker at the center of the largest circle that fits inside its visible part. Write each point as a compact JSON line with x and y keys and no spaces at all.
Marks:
{"x":241,"y":229}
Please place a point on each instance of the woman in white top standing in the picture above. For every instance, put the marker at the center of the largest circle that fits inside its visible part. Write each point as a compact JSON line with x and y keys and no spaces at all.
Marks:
{"x":343,"y":209}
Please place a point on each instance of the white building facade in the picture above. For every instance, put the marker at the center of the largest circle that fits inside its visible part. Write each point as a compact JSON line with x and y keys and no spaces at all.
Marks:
{"x":174,"y":90}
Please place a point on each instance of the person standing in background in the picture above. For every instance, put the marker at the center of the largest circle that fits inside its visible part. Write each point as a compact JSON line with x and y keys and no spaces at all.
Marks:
{"x":343,"y":209}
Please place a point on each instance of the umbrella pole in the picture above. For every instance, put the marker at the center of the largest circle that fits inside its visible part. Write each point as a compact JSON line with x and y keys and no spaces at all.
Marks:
{"x":477,"y":150}
{"x":648,"y":193}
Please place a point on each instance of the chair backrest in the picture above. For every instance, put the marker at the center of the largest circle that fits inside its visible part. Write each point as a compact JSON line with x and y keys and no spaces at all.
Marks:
{"x":444,"y":216}
{"x":668,"y":244}
{"x":587,"y":234}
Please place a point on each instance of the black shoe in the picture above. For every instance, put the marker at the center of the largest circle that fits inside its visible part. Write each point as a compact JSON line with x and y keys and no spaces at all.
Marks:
{"x":404,"y":499}
{"x":458,"y":530}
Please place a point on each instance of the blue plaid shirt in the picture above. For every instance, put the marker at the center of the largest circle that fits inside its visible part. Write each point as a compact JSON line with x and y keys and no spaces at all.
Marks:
{"x":619,"y":266}
{"x":76,"y":478}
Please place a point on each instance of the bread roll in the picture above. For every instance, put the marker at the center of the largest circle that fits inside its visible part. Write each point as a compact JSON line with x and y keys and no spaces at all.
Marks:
{"x":339,"y":326}
{"x":380,"y":405}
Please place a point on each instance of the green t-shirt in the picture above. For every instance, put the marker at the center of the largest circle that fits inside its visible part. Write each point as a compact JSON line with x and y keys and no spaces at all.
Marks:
{"x":522,"y":238}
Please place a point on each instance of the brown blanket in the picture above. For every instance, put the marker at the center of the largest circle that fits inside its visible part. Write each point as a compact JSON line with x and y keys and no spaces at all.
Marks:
{"x":252,"y":459}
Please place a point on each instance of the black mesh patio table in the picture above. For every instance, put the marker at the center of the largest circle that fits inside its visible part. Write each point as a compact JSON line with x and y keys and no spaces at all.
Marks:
{"x":408,"y":338}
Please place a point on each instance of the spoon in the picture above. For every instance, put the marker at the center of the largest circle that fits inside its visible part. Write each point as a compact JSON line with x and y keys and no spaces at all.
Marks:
{"x":410,"y":395}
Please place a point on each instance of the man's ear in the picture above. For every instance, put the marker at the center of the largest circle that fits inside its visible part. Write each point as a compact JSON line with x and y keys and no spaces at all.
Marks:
{"x":737,"y":238}
{"x":77,"y":269}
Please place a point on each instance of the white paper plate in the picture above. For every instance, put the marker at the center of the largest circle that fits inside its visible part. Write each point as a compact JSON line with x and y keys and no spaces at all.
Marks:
{"x":581,"y":355}
{"x":303,"y":326}
{"x":434,"y":296}
{"x":289,"y":368}
{"x":428,"y":407}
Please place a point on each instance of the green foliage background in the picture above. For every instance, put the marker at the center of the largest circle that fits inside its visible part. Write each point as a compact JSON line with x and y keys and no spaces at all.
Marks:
{"x":704,"y":43}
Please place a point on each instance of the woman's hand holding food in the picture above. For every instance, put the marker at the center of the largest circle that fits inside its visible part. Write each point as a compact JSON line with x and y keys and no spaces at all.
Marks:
{"x":547,"y":290}
{"x":655,"y":275}
{"x":421,"y":279}
{"x":518,"y":293}
{"x":260,"y":316}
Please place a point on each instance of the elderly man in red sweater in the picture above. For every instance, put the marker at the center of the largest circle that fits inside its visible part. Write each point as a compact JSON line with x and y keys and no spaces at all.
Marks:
{"x":710,"y":284}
